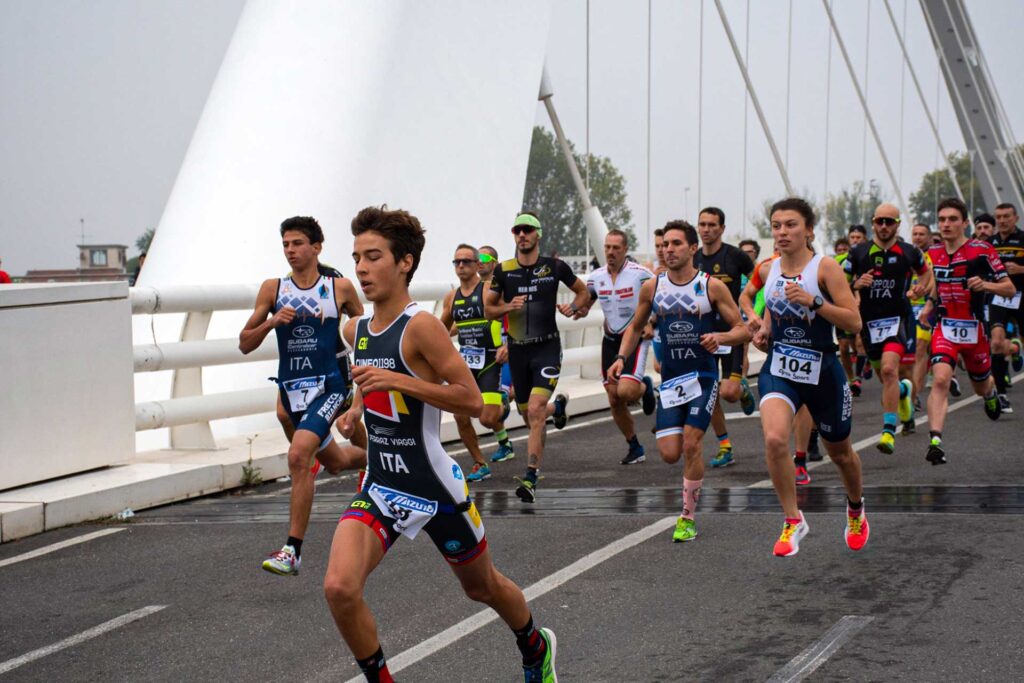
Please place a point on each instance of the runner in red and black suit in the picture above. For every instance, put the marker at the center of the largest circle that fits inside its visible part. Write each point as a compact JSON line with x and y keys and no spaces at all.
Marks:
{"x":965,"y":270}
{"x":1005,"y":314}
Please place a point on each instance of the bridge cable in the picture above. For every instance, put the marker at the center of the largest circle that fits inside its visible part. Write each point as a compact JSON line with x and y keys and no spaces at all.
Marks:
{"x":746,"y":111}
{"x":700,"y":104}
{"x":828,"y":112}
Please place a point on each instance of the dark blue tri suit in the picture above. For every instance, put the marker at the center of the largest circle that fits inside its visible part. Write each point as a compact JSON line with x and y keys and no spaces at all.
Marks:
{"x":411,"y":484}
{"x":313,"y":388}
{"x":689,"y":372}
{"x":802,"y":367}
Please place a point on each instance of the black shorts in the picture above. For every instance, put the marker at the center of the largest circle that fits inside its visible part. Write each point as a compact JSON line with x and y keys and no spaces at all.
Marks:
{"x":535,"y":369}
{"x":488,"y":379}
{"x":904,"y":342}
{"x":634,"y":365}
{"x":457,"y":531}
{"x":731,"y":363}
{"x":1007,"y":318}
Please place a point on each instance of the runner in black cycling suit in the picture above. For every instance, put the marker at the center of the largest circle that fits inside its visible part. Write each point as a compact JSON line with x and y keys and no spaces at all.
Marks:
{"x":882,"y":270}
{"x":1006,"y":314}
{"x":728,"y":264}
{"x":526,"y":288}
{"x":408,"y":372}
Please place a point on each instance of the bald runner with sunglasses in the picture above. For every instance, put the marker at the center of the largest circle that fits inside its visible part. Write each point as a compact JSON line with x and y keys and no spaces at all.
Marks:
{"x":525,"y":288}
{"x":881,"y":272}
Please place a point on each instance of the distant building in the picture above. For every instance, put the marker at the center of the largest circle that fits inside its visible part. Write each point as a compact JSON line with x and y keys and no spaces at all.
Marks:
{"x":96,"y":263}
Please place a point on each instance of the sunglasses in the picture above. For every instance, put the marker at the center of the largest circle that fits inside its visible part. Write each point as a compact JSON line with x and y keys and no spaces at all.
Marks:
{"x":486,"y":258}
{"x":463,"y":261}
{"x":523,"y":229}
{"x":885,"y":220}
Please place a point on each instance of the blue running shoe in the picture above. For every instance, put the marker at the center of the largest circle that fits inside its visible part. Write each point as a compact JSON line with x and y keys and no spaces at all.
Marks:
{"x":503,"y":453}
{"x":635,"y":456}
{"x":648,"y":401}
{"x":479,"y":473}
{"x":560,"y":417}
{"x":746,"y":398}
{"x":723,"y":459}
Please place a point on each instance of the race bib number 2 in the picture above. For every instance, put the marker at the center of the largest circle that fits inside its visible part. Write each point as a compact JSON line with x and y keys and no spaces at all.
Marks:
{"x":960,"y":331}
{"x":680,"y":390}
{"x":796,"y":364}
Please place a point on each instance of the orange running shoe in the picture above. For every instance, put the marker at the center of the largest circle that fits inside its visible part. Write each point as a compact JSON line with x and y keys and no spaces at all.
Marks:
{"x":857,"y":529}
{"x":789,"y":541}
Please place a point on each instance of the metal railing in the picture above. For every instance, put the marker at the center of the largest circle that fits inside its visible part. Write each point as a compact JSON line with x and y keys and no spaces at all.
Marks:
{"x":189,"y":411}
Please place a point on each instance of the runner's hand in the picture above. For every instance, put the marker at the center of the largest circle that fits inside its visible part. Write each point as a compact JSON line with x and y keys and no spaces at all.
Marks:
{"x":864,"y":281}
{"x":798,"y":295}
{"x":648,"y":332}
{"x":566,"y":310}
{"x":754,"y":324}
{"x":615,"y":371}
{"x":348,"y":421}
{"x":760,"y":340}
{"x":709,"y":341}
{"x":517,"y":303}
{"x":501,"y":355}
{"x":284,"y":316}
{"x":375,"y":379}
{"x":975,"y":284}
{"x":916,"y":292}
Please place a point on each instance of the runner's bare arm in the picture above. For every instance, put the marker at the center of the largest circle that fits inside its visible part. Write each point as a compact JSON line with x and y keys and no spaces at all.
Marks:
{"x":721,"y":297}
{"x":634,"y":331}
{"x":446,"y":313}
{"x":580,"y":305}
{"x":842,"y":311}
{"x":258,"y":326}
{"x":345,"y":292}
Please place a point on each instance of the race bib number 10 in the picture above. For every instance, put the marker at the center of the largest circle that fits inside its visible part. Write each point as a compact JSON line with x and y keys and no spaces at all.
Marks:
{"x":960,"y":331}
{"x":796,"y":364}
{"x":680,"y":390}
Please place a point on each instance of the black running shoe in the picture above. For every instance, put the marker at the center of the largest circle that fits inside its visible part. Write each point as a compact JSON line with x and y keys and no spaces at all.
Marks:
{"x":993,"y":407}
{"x":648,"y":399}
{"x":855,"y":388}
{"x":527,"y":490}
{"x":1004,"y":404}
{"x":560,"y":417}
{"x":935,"y":454}
{"x":813,"y":450}
{"x":909,"y":427}
{"x":954,"y":388}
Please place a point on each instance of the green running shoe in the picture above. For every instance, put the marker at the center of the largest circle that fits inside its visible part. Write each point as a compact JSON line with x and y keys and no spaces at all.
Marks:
{"x":527,"y":490}
{"x":686,"y":530}
{"x":723,"y":459}
{"x":545,"y":671}
{"x":746,"y":398}
{"x":283,"y":562}
{"x":905,"y":409}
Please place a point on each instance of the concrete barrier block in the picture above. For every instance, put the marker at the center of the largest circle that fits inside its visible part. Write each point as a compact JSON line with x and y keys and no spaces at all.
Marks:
{"x":18,"y":520}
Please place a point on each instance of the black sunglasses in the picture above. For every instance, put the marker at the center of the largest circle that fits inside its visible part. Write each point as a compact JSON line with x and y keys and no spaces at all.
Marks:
{"x":463,"y":261}
{"x":523,"y":229}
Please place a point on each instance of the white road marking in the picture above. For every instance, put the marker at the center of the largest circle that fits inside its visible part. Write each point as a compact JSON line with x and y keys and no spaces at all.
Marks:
{"x":76,"y":639}
{"x":46,"y":549}
{"x":804,"y":664}
{"x":549,"y":583}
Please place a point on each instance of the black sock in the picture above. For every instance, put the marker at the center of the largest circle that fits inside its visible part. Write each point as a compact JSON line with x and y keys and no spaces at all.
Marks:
{"x":800,"y":459}
{"x":999,"y":369}
{"x":855,"y":506}
{"x":295,"y":543}
{"x":374,"y":667}
{"x":531,"y":645}
{"x":633,"y":441}
{"x":861,"y":362}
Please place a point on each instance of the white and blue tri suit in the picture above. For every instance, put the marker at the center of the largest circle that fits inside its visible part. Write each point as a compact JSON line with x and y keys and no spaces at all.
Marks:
{"x":313,"y":388}
{"x":689,"y":372}
{"x":802,"y":367}
{"x":411,"y":484}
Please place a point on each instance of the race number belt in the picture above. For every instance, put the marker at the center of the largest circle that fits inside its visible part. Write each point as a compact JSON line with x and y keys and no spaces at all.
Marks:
{"x":960,"y":331}
{"x":882,"y":329}
{"x":303,"y":391}
{"x":796,"y":364}
{"x":473,"y":356}
{"x":680,"y":390}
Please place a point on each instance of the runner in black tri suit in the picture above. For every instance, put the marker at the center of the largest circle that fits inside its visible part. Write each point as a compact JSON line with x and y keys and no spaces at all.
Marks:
{"x":526,"y":289}
{"x":1006,"y":314}
{"x":305,"y":310}
{"x":484,"y":350}
{"x":729,"y":264}
{"x":408,"y":372}
{"x":881,"y":271}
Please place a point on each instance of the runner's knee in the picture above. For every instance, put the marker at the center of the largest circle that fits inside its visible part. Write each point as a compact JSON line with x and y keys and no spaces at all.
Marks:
{"x":730,"y":391}
{"x":669,"y":451}
{"x":342,"y":591}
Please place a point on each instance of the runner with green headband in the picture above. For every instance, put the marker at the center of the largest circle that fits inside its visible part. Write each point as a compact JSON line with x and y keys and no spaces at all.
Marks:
{"x":525,"y":288}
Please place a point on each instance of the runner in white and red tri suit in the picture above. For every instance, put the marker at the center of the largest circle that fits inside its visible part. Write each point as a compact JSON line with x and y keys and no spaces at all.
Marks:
{"x":617,"y":286}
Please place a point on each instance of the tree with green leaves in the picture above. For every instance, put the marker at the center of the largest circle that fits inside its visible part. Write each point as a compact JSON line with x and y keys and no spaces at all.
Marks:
{"x":142,"y":243}
{"x":551,"y":194}
{"x":853,"y":204}
{"x":936,"y":186}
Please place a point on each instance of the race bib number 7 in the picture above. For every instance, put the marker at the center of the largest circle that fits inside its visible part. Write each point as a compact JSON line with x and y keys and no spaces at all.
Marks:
{"x":679,"y":391}
{"x":301,"y":392}
{"x":960,"y":331}
{"x":796,"y":364}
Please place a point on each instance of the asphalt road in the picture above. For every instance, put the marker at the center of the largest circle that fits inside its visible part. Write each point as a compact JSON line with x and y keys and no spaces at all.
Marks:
{"x":940,"y":587}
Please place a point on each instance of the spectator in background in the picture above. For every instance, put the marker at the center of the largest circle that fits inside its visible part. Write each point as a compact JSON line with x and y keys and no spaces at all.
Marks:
{"x":5,"y":279}
{"x":138,"y":268}
{"x":841,"y":246}
{"x":752,"y":249}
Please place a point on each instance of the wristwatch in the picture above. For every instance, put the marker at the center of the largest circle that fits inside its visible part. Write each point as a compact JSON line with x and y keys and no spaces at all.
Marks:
{"x":817,"y":303}
{"x":619,"y":357}
{"x":572,"y":307}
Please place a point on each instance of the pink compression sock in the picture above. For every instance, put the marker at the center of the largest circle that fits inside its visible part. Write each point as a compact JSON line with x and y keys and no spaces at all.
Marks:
{"x":691,"y":496}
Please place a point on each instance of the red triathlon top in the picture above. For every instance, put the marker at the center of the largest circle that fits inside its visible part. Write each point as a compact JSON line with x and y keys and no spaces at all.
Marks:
{"x":973,"y":258}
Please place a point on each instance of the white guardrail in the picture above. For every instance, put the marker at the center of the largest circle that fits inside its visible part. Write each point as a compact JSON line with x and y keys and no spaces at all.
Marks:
{"x":189,"y":411}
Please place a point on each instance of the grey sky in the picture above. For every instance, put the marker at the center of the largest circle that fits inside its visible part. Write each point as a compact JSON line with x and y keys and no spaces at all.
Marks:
{"x":98,"y":101}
